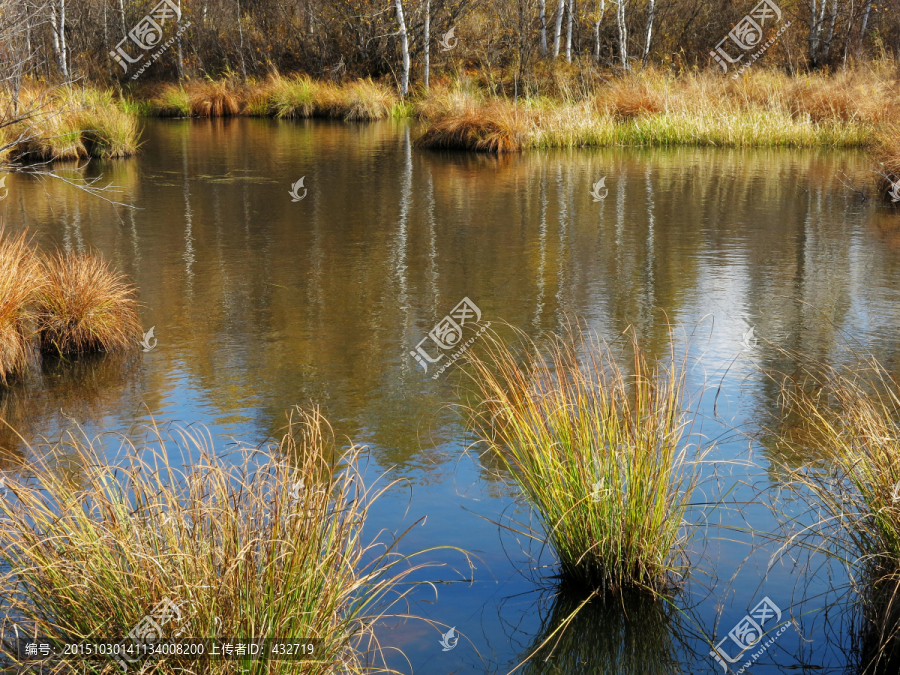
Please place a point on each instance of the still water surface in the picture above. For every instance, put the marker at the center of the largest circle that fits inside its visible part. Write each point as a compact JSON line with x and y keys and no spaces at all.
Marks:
{"x":260,"y":303}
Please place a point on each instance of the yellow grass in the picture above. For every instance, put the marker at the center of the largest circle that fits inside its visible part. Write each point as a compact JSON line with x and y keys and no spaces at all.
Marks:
{"x":68,"y":123}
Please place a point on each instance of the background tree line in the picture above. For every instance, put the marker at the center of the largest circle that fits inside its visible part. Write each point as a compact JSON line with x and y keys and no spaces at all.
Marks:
{"x":399,"y":39}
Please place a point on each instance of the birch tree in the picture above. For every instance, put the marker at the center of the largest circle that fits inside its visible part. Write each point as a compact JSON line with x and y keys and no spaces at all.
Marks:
{"x":597,"y":30}
{"x":404,"y":47}
{"x":571,"y":4}
{"x":543,"y":5}
{"x":862,"y":32}
{"x":557,"y":36}
{"x":427,"y":41}
{"x":58,"y":30}
{"x":650,"y":16}
{"x":623,"y":32}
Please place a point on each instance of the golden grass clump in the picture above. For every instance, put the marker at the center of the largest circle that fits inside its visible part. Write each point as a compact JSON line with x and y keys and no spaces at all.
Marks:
{"x":19,"y":281}
{"x":215,"y":99}
{"x":65,"y":123}
{"x":300,"y":96}
{"x":366,"y":100}
{"x":84,"y":306}
{"x":627,"y":99}
{"x":599,"y":453}
{"x":110,"y":132}
{"x":497,"y":128}
{"x":259,"y":542}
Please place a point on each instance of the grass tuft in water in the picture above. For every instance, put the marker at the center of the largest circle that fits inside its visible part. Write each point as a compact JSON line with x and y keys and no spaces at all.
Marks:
{"x":19,"y":281}
{"x":264,"y":543}
{"x":84,"y":306}
{"x":597,"y":451}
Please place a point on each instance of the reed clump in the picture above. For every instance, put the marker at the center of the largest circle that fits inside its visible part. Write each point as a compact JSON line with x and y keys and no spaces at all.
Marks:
{"x":267,"y":543}
{"x":496,"y":128}
{"x":84,"y":306}
{"x":847,"y":419}
{"x":283,"y":97}
{"x":19,"y":282}
{"x":597,"y":451}
{"x":64,"y":123}
{"x":851,"y":418}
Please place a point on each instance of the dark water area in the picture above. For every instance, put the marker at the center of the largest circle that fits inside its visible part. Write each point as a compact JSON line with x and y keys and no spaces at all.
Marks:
{"x":260,"y":303}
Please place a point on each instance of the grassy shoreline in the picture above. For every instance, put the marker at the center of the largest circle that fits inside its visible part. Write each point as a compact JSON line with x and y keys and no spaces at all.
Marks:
{"x":764,"y":108}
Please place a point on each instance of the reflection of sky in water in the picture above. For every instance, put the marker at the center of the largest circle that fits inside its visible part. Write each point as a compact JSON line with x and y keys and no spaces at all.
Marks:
{"x":260,"y":303}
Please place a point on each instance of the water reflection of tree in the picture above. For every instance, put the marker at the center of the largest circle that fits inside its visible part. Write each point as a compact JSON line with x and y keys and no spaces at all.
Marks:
{"x":621,"y":635}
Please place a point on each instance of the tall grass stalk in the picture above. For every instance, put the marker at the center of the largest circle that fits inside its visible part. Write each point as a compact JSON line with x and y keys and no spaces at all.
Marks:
{"x":265,"y":543}
{"x":598,"y":452}
{"x":84,"y":306}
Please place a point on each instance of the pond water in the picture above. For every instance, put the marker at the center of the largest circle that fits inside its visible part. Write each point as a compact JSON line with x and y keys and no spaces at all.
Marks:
{"x":260,"y":302}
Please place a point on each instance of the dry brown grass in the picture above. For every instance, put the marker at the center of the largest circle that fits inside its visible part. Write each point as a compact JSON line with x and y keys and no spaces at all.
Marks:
{"x":627,"y":99}
{"x":19,"y":281}
{"x":216,"y":99}
{"x":496,"y":128}
{"x":84,"y":306}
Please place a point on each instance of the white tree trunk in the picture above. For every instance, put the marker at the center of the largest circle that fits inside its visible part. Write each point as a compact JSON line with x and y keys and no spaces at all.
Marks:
{"x":649,"y":32}
{"x":830,"y":36}
{"x":623,"y":32}
{"x":544,"y":27}
{"x":404,"y":46}
{"x":58,"y":30}
{"x":427,"y":42}
{"x":557,"y":36}
{"x":862,"y":32}
{"x":597,"y":30}
{"x":122,"y":16}
{"x":569,"y":32}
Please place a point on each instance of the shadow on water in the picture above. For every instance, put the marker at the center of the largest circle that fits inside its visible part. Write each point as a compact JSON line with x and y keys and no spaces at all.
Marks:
{"x":77,"y":390}
{"x":622,"y":635}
